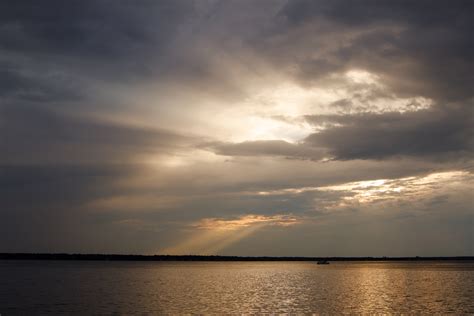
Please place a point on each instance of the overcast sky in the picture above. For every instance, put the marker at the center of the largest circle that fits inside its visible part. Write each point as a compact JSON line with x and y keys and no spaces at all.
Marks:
{"x":306,"y":128}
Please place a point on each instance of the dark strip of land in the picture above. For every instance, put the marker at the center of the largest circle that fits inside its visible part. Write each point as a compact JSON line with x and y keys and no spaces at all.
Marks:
{"x":116,"y":257}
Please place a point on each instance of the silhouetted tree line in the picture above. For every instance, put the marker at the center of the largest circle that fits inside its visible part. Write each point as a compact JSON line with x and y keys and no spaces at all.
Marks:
{"x":116,"y":257}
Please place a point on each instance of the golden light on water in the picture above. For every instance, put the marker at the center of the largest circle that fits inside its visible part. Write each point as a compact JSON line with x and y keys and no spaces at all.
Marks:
{"x":279,"y":128}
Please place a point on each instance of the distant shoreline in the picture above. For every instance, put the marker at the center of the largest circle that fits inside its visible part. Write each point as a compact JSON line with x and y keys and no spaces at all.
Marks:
{"x":117,"y":257}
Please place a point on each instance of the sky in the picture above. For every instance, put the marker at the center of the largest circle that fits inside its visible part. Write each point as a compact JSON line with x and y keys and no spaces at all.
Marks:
{"x":278,"y":128}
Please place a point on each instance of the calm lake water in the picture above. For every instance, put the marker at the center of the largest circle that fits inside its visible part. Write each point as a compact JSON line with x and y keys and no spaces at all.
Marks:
{"x":94,"y":287}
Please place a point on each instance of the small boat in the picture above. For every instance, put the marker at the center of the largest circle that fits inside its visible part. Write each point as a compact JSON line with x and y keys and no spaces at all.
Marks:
{"x":323,"y":262}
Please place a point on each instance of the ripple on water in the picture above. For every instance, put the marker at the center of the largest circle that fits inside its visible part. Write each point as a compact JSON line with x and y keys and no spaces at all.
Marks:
{"x":226,"y":287}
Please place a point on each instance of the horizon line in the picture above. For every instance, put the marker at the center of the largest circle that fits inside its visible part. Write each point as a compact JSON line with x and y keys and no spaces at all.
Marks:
{"x":198,"y":257}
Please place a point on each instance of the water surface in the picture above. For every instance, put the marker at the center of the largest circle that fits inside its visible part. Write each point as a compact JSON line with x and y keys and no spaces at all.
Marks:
{"x":100,"y":287}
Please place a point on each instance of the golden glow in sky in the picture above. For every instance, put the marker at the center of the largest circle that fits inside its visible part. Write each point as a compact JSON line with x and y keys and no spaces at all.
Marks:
{"x":203,"y":127}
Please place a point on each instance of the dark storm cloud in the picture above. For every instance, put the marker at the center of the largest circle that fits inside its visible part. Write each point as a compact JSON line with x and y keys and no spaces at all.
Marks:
{"x":88,"y":30}
{"x":57,"y":51}
{"x":358,"y":12}
{"x":439,"y":133}
{"x":36,"y":135}
{"x":16,"y":86}
{"x":419,"y":47}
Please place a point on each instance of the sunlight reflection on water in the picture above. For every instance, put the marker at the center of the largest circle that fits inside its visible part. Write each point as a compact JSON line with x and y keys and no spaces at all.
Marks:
{"x":246,"y":287}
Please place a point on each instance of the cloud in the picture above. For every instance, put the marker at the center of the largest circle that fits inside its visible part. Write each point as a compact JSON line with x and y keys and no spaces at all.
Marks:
{"x":245,"y":221}
{"x":133,"y":126}
{"x":410,"y":190}
{"x":434,"y":133}
{"x":443,"y":132}
{"x":403,"y":42}
{"x":38,"y":136}
{"x":103,"y":30}
{"x":266,"y":148}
